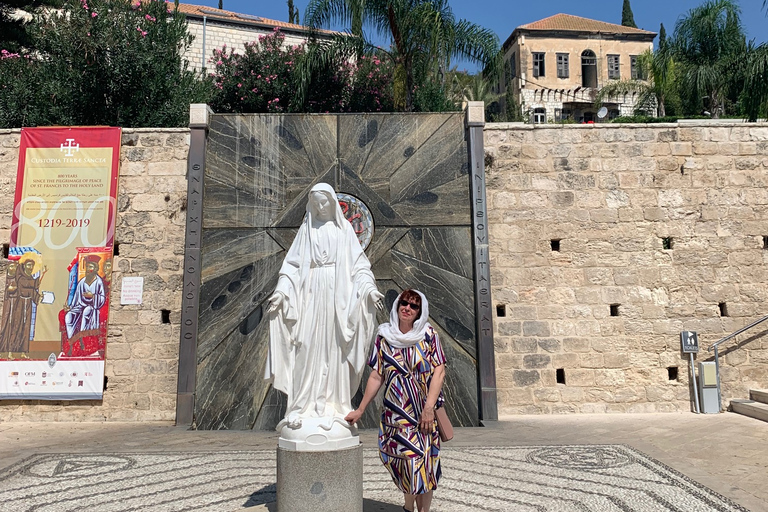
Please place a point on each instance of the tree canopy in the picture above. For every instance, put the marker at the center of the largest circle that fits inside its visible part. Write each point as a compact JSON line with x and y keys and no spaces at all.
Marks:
{"x":101,"y":62}
{"x":13,"y":27}
{"x":424,"y":36}
{"x":710,"y":46}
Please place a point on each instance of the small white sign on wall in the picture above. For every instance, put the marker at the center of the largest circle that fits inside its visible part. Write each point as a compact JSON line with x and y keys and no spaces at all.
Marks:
{"x":132,"y":290}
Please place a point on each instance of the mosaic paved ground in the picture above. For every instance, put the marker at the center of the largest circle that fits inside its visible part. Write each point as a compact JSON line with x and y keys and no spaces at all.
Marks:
{"x":532,"y":478}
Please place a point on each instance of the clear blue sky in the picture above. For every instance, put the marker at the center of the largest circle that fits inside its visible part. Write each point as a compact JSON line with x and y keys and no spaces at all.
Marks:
{"x":502,"y":16}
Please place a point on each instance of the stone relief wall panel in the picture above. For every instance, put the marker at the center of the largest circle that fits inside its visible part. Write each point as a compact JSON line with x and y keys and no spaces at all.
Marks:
{"x":411,"y":173}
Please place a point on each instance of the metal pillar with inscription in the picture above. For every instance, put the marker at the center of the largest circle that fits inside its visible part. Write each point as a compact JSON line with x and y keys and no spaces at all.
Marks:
{"x":199,"y":115}
{"x":486,"y":361}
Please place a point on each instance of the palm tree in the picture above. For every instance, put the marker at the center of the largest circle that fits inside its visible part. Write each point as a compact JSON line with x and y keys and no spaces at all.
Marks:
{"x":457,"y":82}
{"x":653,"y":92}
{"x":424,"y":36}
{"x":710,"y":47}
{"x":755,"y":94}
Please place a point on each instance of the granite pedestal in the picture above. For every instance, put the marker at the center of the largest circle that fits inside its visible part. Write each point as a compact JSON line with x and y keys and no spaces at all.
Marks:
{"x":328,"y":481}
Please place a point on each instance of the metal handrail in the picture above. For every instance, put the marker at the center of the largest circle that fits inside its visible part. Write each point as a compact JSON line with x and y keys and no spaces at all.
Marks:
{"x":717,"y":356}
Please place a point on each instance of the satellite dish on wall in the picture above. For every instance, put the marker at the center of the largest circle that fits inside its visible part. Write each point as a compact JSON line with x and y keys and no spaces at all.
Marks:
{"x":602,"y":112}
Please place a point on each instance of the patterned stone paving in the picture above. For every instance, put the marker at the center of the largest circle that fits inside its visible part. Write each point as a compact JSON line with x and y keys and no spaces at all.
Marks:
{"x":532,"y":478}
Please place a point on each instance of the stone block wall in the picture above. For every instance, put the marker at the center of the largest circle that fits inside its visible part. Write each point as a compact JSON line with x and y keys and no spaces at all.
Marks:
{"x":218,"y":34}
{"x":142,"y":350}
{"x":606,"y":242}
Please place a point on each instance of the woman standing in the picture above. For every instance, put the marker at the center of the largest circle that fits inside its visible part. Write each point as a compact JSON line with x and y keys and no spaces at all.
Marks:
{"x":408,"y":360}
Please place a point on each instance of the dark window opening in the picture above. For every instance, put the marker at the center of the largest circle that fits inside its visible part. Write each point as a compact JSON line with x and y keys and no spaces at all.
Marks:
{"x":7,"y":248}
{"x":538,"y":65}
{"x":672,"y":373}
{"x":562,"y":65}
{"x":563,"y":114}
{"x":539,"y":115}
{"x":116,"y":249}
{"x":723,"y":309}
{"x":501,"y":310}
{"x":167,"y":198}
{"x":165,"y":315}
{"x":588,"y":69}
{"x":105,"y":382}
{"x":614,"y":309}
{"x":666,"y":243}
{"x":765,"y":245}
{"x":613,"y":67}
{"x":512,"y":71}
{"x":637,"y":72}
{"x":560,"y":375}
{"x":555,"y":245}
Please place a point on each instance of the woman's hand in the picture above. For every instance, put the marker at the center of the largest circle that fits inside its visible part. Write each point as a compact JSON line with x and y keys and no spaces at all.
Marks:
{"x":427,"y":420}
{"x":354,"y":416}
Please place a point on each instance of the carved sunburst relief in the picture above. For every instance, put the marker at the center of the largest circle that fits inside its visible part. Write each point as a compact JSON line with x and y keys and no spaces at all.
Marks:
{"x":411,"y":173}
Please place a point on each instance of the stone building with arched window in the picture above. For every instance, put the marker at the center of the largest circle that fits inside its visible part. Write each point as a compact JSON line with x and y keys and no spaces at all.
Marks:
{"x":557,"y":65}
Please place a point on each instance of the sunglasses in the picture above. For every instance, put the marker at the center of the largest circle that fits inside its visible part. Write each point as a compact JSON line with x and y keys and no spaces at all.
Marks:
{"x":414,"y":307}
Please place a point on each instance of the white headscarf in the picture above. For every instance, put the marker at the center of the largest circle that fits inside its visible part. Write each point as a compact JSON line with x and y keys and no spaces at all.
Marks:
{"x":391,"y":330}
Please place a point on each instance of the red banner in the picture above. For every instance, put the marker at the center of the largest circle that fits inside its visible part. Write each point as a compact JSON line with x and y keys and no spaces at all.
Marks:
{"x":56,"y":301}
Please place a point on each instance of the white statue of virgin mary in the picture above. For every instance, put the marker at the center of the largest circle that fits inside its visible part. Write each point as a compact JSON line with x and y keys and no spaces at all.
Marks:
{"x":321,"y":323}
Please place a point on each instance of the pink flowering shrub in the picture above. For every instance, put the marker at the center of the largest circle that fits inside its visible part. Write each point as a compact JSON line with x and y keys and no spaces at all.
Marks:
{"x":372,"y":85}
{"x":266,"y":75}
{"x":257,"y":80}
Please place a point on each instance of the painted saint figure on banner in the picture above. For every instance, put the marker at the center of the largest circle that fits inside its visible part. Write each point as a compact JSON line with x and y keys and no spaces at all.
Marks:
{"x":83,"y":307}
{"x":23,"y":290}
{"x":10,"y":302}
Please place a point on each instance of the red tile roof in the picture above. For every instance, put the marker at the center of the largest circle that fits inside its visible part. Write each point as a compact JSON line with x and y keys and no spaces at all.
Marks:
{"x":569,"y":23}
{"x":248,"y":19}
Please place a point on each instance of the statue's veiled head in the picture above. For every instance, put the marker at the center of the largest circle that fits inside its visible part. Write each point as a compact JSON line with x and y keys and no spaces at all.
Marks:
{"x":323,"y":203}
{"x":322,"y":207}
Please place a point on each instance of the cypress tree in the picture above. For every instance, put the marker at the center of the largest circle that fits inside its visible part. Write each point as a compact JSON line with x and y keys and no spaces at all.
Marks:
{"x":662,"y":38}
{"x":290,"y":12}
{"x":221,"y":4}
{"x":627,"y":18}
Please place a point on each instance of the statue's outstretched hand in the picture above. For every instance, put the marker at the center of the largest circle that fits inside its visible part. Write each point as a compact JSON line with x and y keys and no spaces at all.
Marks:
{"x":275,"y":302}
{"x":378,"y":299}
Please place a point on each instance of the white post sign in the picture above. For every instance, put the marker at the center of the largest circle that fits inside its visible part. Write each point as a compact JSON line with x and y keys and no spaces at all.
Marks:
{"x":132,"y":290}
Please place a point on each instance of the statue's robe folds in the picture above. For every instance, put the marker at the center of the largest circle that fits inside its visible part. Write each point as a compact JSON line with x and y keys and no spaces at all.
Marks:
{"x":320,"y":337}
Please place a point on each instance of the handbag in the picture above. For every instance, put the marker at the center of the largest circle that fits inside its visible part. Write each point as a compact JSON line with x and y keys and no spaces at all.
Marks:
{"x":444,"y":427}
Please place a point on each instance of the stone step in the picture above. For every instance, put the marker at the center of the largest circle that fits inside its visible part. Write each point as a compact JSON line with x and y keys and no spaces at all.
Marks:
{"x":750,"y":408}
{"x":759,"y":395}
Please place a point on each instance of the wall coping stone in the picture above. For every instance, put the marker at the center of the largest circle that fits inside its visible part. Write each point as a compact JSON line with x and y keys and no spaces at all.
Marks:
{"x":156,"y":130}
{"x":687,"y":123}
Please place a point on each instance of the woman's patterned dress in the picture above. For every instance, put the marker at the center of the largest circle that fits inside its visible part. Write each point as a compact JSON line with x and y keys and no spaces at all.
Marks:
{"x":411,"y":457}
